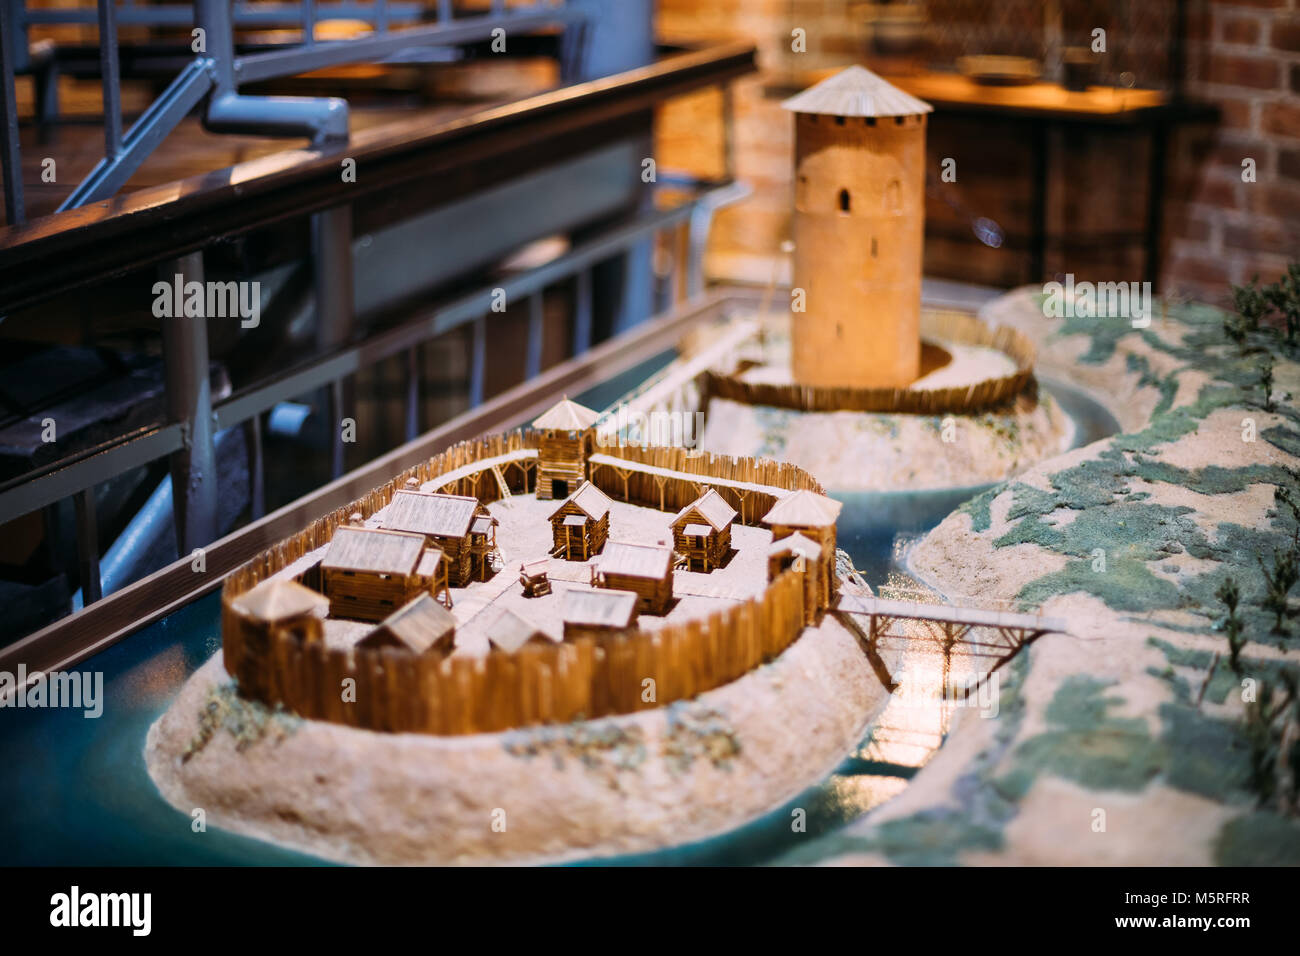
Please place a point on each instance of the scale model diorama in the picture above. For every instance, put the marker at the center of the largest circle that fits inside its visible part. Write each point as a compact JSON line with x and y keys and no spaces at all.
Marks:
{"x":570,"y":642}
{"x":856,"y":381}
{"x":477,"y":692}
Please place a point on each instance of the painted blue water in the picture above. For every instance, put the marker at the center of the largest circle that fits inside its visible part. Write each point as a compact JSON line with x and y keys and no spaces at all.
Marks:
{"x":76,"y":791}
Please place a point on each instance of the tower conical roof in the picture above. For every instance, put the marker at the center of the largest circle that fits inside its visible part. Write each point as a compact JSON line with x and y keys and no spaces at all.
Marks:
{"x":566,"y":415}
{"x":804,"y":508}
{"x":856,"y":91}
{"x":277,"y":600}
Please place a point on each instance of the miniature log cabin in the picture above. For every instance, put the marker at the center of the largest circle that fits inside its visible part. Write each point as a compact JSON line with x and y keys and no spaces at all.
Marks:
{"x":282,"y":606}
{"x":805,"y":556}
{"x":813,"y":516}
{"x":422,"y":626}
{"x":859,"y":228}
{"x":270,"y":611}
{"x":535,"y":577}
{"x":567,"y":438}
{"x":702,"y":531}
{"x":597,"y":613}
{"x":509,"y":632}
{"x":457,"y":525}
{"x":580,"y":526}
{"x":646,"y":571}
{"x":369,"y":573}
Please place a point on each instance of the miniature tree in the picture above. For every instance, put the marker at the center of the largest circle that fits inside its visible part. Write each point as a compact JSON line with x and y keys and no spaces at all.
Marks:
{"x":1266,"y":381}
{"x":1273,"y":731}
{"x":1263,"y":743}
{"x":1283,"y":496}
{"x":1291,"y":729}
{"x":1284,"y":296}
{"x":1234,"y":328}
{"x":1251,"y":303}
{"x":1230,"y":596}
{"x":1278,"y":586}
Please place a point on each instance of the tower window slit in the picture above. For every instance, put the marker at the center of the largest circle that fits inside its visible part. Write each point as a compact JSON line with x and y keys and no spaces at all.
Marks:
{"x":845,"y":203}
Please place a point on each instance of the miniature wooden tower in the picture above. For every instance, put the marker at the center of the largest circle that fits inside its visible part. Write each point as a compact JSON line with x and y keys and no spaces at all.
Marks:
{"x":813,"y":517}
{"x":859,"y":225}
{"x":567,"y":439}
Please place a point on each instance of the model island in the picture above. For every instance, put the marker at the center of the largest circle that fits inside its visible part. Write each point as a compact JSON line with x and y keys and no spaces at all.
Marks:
{"x":534,"y":646}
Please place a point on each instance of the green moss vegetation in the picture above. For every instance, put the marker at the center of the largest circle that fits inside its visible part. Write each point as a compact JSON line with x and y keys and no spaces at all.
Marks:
{"x":1117,"y":537}
{"x":695,"y":732}
{"x":1139,"y":556}
{"x":978,"y":508}
{"x":597,"y":745}
{"x":247,"y":721}
{"x":1258,"y":839}
{"x":1084,"y":742}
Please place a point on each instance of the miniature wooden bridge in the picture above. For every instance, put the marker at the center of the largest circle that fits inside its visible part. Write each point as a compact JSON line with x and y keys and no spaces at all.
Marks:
{"x":977,"y":631}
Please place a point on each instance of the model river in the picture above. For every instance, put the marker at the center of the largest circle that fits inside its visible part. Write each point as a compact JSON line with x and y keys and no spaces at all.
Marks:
{"x":77,"y":789}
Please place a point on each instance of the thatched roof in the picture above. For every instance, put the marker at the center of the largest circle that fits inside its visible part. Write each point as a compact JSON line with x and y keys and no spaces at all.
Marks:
{"x":372,"y":550}
{"x":635,"y":560}
{"x":509,"y":632}
{"x":599,"y":607}
{"x":710,"y":506}
{"x":418,"y":626}
{"x":804,"y":508}
{"x":856,"y":91}
{"x":279,"y":600}
{"x":566,"y":416}
{"x":589,"y":499}
{"x":444,"y":516}
{"x":795,"y":544}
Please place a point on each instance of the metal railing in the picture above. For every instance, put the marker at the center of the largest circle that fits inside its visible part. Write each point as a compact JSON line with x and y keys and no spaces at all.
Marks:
{"x":216,"y":71}
{"x":193,"y":419}
{"x":188,"y":439}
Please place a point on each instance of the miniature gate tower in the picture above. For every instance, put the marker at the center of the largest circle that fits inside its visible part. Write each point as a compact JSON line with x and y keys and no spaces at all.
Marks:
{"x":567,"y":438}
{"x":859,"y":225}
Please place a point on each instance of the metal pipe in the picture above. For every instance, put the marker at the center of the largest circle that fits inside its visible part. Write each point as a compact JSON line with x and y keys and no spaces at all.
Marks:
{"x":336,"y":405}
{"x":256,"y":467}
{"x":331,"y":246}
{"x":262,"y":14}
{"x":110,"y":82}
{"x":189,"y":403}
{"x":289,"y":62}
{"x":182,"y":95}
{"x":11,"y":164}
{"x":323,"y":120}
{"x":88,"y":545}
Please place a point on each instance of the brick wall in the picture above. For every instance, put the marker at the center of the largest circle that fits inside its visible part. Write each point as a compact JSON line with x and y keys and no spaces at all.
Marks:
{"x":1246,"y":59}
{"x":1243,"y":56}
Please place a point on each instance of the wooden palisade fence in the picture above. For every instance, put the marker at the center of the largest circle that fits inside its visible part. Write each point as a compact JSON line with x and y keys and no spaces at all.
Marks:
{"x":940,"y":326}
{"x":585,"y":678}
